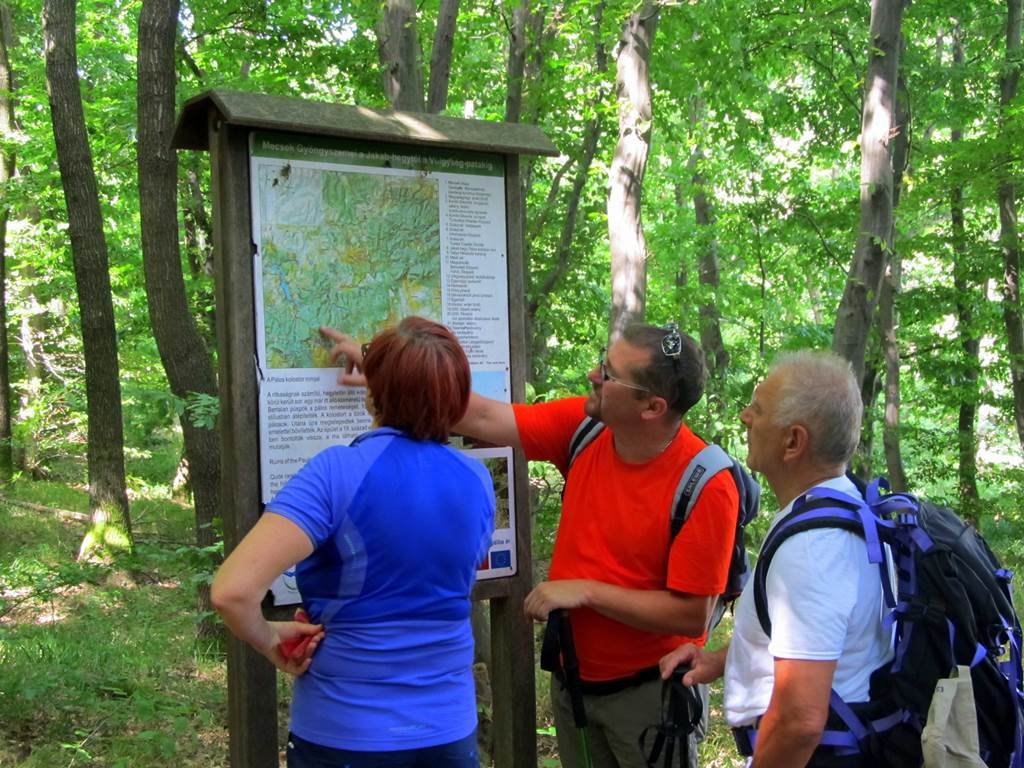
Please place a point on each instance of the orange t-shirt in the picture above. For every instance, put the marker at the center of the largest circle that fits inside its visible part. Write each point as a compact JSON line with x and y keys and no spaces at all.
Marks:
{"x":615,"y":528}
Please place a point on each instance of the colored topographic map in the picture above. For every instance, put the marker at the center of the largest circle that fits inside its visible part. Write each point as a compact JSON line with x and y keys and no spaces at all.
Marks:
{"x":355,"y":251}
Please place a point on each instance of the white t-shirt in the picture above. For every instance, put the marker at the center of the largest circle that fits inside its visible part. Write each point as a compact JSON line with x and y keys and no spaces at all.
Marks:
{"x":825,"y":603}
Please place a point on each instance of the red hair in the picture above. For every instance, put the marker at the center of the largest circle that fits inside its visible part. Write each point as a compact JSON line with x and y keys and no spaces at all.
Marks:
{"x":418,"y":377}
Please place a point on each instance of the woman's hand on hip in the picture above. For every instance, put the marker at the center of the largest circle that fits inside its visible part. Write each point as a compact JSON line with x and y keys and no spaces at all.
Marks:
{"x":297,"y":641}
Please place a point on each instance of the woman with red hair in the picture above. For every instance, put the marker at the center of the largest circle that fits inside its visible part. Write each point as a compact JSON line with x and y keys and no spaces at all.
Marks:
{"x":387,"y":533}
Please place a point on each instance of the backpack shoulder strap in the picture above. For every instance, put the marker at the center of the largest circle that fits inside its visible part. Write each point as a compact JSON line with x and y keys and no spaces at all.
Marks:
{"x":806,"y":516}
{"x":585,"y":434}
{"x":711,"y":460}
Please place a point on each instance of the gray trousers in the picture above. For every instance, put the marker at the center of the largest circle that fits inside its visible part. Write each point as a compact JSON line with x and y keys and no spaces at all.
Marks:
{"x":614,"y":724}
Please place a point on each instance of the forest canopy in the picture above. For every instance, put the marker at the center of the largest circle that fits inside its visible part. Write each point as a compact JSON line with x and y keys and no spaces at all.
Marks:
{"x":746,"y":190}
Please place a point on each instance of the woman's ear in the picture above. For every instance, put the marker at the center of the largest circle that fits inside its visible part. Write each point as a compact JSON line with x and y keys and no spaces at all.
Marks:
{"x":370,"y":408}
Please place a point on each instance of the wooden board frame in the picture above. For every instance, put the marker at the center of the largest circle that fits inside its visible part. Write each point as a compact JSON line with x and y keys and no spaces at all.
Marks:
{"x":221,"y":121}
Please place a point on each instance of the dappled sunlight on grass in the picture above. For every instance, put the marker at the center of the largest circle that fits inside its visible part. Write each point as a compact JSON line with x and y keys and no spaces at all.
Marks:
{"x":99,"y":665}
{"x":50,"y":617}
{"x":48,"y":493}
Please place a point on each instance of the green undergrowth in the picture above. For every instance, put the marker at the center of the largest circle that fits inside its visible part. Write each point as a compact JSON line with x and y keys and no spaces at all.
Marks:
{"x":101,"y":665}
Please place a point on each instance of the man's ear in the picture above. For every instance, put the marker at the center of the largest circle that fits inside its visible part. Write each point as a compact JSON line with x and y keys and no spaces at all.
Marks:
{"x":657,"y":407}
{"x":795,"y":443}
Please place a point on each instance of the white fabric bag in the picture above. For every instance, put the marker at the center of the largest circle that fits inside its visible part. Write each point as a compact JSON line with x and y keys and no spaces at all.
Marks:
{"x":950,"y":738}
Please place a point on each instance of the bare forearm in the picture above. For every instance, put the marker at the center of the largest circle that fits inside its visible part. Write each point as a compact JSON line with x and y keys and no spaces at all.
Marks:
{"x":489,"y":420}
{"x":792,"y":726}
{"x":660,"y":611}
{"x":784,"y":742}
{"x":245,"y":620}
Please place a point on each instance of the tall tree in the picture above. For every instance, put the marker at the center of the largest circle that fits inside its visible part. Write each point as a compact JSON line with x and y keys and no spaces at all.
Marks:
{"x":30,"y":332}
{"x":563,"y":259}
{"x":182,"y":348}
{"x":715,"y":353}
{"x":856,"y":311}
{"x":7,"y":163}
{"x":110,"y":525}
{"x":399,"y":49}
{"x":441,"y":56}
{"x":626,"y":176}
{"x":968,"y":296}
{"x":887,"y":314}
{"x":515,"y":68}
{"x":1009,"y":235}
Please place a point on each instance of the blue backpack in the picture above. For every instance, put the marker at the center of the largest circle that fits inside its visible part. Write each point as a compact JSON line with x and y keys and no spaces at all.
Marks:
{"x":952,"y":607}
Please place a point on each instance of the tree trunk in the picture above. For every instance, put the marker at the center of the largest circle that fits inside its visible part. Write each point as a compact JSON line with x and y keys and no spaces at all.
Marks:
{"x":537,"y":36}
{"x":399,"y":49}
{"x":28,"y":457}
{"x":967,"y":297}
{"x":6,"y":174}
{"x":860,"y":296}
{"x":198,"y":229}
{"x":1009,"y":238}
{"x":871,"y":384}
{"x":887,"y":317}
{"x":182,"y":349}
{"x":626,"y":177}
{"x":715,"y":353}
{"x":441,"y":56}
{"x":110,"y":527}
{"x":516,"y":67}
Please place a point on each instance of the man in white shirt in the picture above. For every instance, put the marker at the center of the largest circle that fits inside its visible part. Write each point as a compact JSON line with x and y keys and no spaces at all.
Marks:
{"x":824,"y":597}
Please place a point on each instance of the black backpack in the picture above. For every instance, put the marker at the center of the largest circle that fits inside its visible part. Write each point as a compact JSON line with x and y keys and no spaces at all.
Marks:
{"x":705,"y":465}
{"x":952,"y":607}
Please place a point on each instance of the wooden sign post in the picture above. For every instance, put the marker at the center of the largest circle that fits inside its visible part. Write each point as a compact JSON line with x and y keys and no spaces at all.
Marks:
{"x":284,"y":136}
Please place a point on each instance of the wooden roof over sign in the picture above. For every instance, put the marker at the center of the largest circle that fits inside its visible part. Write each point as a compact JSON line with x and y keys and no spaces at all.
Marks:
{"x":295,"y":115}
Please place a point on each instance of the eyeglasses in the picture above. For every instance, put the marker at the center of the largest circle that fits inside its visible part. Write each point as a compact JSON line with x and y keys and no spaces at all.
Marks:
{"x":602,"y":367}
{"x":671,"y":342}
{"x":365,"y":350}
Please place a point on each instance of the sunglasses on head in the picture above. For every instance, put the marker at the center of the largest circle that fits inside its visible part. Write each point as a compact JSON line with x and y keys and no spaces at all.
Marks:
{"x":671,"y":342}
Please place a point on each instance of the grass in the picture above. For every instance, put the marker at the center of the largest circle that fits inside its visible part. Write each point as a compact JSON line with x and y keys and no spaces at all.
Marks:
{"x":97,"y":669}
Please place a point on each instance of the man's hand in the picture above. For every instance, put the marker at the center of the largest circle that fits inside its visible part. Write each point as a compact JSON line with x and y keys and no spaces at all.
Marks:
{"x":705,"y":666}
{"x":551,"y":595}
{"x":349,"y":349}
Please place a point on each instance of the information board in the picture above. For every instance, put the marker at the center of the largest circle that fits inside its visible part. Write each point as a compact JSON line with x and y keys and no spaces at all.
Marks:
{"x":356,"y":236}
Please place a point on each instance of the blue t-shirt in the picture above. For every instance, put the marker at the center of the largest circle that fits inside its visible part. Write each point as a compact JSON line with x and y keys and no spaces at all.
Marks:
{"x":398,"y":528}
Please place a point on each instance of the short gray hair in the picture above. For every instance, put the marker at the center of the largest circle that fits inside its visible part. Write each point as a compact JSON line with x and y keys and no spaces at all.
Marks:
{"x":820,"y":391}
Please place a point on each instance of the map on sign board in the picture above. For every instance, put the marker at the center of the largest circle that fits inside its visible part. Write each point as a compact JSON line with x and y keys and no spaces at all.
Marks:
{"x":348,"y":250}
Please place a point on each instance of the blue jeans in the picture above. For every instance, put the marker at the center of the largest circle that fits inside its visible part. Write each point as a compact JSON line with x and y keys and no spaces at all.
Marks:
{"x":455,"y":754}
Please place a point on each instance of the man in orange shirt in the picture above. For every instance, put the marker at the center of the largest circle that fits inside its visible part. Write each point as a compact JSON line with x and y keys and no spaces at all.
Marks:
{"x":633,"y":595}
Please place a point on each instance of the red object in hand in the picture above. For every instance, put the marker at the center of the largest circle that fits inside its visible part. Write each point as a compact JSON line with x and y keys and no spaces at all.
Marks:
{"x":295,"y":647}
